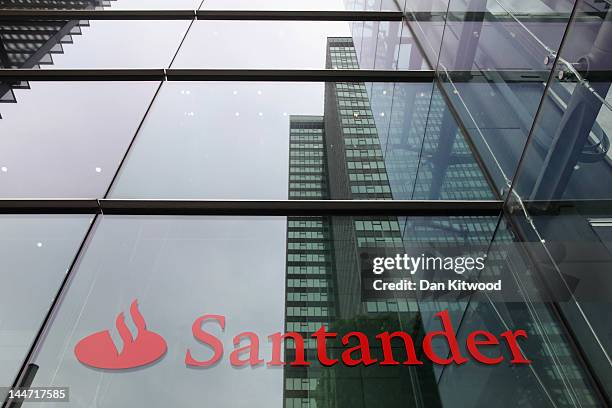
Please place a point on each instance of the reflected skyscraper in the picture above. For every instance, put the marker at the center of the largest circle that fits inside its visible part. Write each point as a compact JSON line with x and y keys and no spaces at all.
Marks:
{"x":32,"y":44}
{"x":339,"y":156}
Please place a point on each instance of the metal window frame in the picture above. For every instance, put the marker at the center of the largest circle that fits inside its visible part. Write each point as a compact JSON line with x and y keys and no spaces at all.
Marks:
{"x":254,"y":207}
{"x":181,"y":74}
{"x":264,"y":15}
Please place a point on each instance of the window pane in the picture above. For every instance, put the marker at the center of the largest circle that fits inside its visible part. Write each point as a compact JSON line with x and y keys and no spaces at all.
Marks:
{"x":180,"y":268}
{"x":53,"y":5}
{"x":91,"y":43}
{"x":509,"y":47}
{"x":250,"y":140}
{"x":279,"y":44}
{"x":75,"y":143}
{"x":571,"y":138}
{"x":154,"y":5}
{"x":295,"y":5}
{"x":36,"y":251}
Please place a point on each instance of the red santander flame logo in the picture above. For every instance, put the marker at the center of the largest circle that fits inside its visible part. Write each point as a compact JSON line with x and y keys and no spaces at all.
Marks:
{"x":98,"y":350}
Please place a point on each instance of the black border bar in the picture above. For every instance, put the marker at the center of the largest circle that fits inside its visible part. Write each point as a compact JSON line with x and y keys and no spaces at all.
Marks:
{"x":18,"y":74}
{"x":307,"y":15}
{"x":299,"y":15}
{"x":179,"y":74}
{"x":35,"y":14}
{"x":252,"y":207}
{"x":315,"y":75}
{"x":49,"y":206}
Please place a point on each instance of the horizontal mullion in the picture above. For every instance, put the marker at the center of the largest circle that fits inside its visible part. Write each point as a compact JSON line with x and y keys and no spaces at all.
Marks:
{"x":300,"y":207}
{"x":299,"y":15}
{"x":315,"y":15}
{"x":273,"y":75}
{"x":154,"y":74}
{"x":253,"y":207}
{"x":341,"y":75}
{"x":18,"y":74}
{"x":49,"y":206}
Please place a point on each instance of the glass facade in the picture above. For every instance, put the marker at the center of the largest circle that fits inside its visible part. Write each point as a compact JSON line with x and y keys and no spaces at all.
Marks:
{"x":192,"y":193}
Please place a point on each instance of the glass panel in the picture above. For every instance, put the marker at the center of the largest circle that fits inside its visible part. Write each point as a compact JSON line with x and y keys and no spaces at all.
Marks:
{"x":55,"y":5}
{"x":557,"y":267}
{"x":36,"y":251}
{"x":292,"y":5}
{"x":455,"y":237}
{"x":247,"y":140}
{"x":447,"y":168}
{"x":571,"y":141}
{"x":564,"y":186}
{"x":508,"y":48}
{"x":282,"y":44}
{"x":554,"y":379}
{"x":77,"y":140}
{"x":180,"y":268}
{"x":154,"y":4}
{"x":91,"y":44}
{"x":386,"y":45}
{"x":101,"y":4}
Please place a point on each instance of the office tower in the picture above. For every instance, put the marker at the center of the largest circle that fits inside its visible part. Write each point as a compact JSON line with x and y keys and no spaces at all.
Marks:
{"x":338,"y":156}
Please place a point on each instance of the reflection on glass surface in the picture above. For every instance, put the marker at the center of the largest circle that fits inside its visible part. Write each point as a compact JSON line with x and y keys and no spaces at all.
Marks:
{"x":178,"y":269}
{"x":31,"y":44}
{"x":238,"y":140}
{"x":571,"y":141}
{"x":90,"y":43}
{"x":258,"y":44}
{"x":123,"y":44}
{"x":36,"y":251}
{"x":101,"y":4}
{"x":55,"y":5}
{"x":554,"y":379}
{"x":282,"y":44}
{"x":217,"y":140}
{"x":222,"y":140}
{"x":549,"y":290}
{"x":80,"y":135}
{"x":447,"y":169}
{"x":155,"y":4}
{"x":447,"y":236}
{"x":322,"y":5}
{"x":508,"y":46}
{"x":348,"y":153}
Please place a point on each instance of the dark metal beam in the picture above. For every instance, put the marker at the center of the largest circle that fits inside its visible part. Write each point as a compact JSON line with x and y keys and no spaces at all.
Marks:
{"x":49,"y":206}
{"x":316,"y":75}
{"x":82,"y":75}
{"x":299,"y":15}
{"x":314,"y":15}
{"x":154,"y":74}
{"x":22,"y":15}
{"x":252,"y":207}
{"x":300,"y":207}
{"x":277,"y":75}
